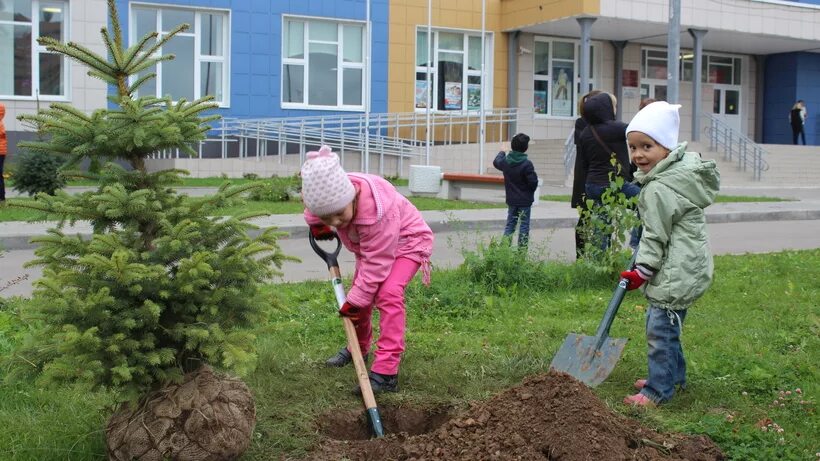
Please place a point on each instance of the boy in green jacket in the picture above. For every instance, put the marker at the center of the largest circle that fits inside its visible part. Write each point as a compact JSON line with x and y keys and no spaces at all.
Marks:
{"x":674,"y":258}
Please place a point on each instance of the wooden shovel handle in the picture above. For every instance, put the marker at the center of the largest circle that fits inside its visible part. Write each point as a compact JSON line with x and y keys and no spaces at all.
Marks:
{"x":353,"y":347}
{"x":358,"y":363}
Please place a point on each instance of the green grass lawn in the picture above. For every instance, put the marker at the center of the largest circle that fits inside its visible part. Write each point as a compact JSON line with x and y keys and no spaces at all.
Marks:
{"x":292,"y":207}
{"x":751,"y":342}
{"x":422,"y":203}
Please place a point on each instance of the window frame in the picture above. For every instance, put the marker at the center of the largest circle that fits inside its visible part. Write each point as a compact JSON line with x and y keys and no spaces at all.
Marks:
{"x":735,"y":68}
{"x":37,"y":49}
{"x":595,"y":71}
{"x":340,"y":62}
{"x":467,"y":72}
{"x":198,"y":57}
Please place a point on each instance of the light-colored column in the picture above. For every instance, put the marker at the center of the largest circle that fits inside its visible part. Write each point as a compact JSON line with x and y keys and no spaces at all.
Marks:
{"x":586,"y":32}
{"x":673,"y":53}
{"x":619,"y":78}
{"x":697,"y":36}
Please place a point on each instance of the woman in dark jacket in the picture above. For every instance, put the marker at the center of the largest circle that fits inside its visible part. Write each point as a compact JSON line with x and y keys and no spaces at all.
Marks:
{"x":595,"y":153}
{"x":580,"y":176}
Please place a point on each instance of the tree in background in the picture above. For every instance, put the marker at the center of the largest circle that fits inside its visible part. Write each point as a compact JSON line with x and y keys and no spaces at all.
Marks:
{"x":162,"y":289}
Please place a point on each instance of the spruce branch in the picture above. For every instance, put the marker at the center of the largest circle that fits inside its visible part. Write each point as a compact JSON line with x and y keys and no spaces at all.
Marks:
{"x":114,"y":49}
{"x":135,"y":54}
{"x":77,"y":52}
{"x":140,"y":81}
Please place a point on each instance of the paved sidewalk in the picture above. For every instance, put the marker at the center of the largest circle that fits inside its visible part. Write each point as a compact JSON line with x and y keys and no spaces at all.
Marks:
{"x":545,"y":215}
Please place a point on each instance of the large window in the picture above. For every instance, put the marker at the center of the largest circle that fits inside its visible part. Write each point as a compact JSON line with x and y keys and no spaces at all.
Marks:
{"x":714,"y":68}
{"x":201,"y":65}
{"x":556,"y":74}
{"x":453,"y":62}
{"x":27,"y":69}
{"x":322,"y":64}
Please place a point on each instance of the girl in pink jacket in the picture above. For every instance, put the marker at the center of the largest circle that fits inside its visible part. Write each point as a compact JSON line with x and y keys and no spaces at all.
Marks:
{"x":391,"y":242}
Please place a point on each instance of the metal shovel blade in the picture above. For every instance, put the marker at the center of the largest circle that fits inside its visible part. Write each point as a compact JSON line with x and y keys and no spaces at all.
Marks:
{"x":590,"y":359}
{"x":581,"y":358}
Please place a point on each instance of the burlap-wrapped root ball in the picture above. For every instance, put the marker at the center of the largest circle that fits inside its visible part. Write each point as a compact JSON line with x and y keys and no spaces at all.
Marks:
{"x":206,"y":417}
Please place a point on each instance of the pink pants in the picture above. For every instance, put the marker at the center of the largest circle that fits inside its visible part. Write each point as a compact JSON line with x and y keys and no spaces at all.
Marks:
{"x":392,"y":318}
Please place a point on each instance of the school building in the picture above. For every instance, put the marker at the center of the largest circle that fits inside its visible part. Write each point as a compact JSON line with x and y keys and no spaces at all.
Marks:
{"x":408,"y":79}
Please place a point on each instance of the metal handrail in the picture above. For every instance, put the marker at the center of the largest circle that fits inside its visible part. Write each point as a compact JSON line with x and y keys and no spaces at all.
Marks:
{"x":400,"y":135}
{"x":736,"y":146}
{"x":569,"y":153}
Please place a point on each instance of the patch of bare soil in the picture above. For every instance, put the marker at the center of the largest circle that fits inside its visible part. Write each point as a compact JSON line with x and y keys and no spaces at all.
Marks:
{"x":548,"y":417}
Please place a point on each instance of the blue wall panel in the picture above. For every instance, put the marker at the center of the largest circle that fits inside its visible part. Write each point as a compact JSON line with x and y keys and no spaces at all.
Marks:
{"x":255,"y":48}
{"x":789,"y":77}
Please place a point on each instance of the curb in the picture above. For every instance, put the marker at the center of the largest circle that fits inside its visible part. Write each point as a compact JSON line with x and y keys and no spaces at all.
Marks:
{"x":23,"y":241}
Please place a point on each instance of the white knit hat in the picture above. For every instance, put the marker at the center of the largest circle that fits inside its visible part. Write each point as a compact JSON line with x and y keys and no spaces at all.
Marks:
{"x":660,"y":121}
{"x":326,"y":189}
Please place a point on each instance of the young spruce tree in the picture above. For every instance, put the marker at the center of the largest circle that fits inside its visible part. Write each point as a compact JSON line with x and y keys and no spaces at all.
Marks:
{"x":161,"y":286}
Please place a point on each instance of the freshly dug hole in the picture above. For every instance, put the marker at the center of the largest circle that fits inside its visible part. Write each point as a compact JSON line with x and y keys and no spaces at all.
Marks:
{"x":354,"y":425}
{"x":548,"y":417}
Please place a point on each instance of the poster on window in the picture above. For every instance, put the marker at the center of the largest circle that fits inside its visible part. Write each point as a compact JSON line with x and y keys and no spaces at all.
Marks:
{"x":562,"y":89}
{"x":422,"y":95}
{"x":473,"y":96}
{"x":452,"y":95}
{"x":540,"y":102}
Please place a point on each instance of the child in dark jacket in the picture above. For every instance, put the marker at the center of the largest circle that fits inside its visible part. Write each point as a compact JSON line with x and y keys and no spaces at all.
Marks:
{"x":520,"y":183}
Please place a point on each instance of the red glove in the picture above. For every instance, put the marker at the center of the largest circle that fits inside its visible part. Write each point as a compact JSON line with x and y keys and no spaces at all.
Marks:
{"x":350,"y":311}
{"x":637,"y":276}
{"x":321,"y":231}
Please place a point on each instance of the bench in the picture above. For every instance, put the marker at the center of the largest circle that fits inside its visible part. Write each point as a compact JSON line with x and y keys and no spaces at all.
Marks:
{"x":452,"y":183}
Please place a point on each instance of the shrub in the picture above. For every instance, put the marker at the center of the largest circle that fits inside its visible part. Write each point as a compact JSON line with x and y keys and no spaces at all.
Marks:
{"x":277,"y":189}
{"x":37,"y":172}
{"x":501,"y":267}
{"x":614,"y":218}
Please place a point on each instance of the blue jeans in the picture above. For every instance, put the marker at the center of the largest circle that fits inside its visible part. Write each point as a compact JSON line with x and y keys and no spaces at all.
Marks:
{"x":667,"y":366}
{"x":516,"y":214}
{"x":595,"y":192}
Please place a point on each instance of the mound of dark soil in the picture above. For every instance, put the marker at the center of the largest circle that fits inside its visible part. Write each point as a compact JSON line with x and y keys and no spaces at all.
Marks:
{"x":548,"y":417}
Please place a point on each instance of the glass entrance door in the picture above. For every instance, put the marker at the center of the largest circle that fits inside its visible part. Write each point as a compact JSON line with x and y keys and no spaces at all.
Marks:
{"x":726,"y":105}
{"x":656,"y":91}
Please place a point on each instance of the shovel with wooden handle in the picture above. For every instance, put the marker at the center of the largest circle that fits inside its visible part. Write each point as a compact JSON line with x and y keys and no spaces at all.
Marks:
{"x":350,"y":331}
{"x":590,"y":359}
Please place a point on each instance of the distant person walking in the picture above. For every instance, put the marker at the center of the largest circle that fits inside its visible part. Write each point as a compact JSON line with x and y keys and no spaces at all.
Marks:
{"x":797,"y":119}
{"x":3,"y":150}
{"x":520,"y":184}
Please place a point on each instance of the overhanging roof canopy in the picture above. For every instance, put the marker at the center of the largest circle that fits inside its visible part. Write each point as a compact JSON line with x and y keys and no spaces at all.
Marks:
{"x":655,"y":34}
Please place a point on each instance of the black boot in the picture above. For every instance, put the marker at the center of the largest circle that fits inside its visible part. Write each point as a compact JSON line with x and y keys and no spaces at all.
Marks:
{"x":380,"y":383}
{"x":342,"y":358}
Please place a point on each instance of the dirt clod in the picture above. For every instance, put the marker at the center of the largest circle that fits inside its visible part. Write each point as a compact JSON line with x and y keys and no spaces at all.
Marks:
{"x":548,"y":417}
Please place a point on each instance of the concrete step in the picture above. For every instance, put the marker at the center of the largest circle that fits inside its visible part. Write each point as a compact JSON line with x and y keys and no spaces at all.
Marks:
{"x":794,"y":166}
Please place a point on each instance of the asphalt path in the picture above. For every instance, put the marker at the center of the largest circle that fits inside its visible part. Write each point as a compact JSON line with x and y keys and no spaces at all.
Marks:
{"x":552,"y":244}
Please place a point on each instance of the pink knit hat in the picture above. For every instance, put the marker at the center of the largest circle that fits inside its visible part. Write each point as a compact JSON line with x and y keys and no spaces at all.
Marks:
{"x":326,"y":189}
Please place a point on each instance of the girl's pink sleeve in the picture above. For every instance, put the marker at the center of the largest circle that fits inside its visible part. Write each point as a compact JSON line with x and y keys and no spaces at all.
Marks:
{"x":377,"y":245}
{"x":311,"y":218}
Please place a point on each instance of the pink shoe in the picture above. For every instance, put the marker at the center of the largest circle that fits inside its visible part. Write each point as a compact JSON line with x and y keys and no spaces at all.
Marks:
{"x":639,"y":400}
{"x":639,"y":384}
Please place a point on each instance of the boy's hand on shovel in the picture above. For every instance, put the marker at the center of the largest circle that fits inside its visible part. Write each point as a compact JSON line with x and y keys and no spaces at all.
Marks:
{"x":637,"y":276}
{"x":350,"y":311}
